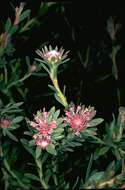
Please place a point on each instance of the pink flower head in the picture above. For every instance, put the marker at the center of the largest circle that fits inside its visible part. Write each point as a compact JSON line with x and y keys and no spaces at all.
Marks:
{"x":79,"y":117}
{"x":42,"y":123}
{"x":52,"y":55}
{"x":33,"y":68}
{"x":5,"y":123}
{"x":42,"y":141}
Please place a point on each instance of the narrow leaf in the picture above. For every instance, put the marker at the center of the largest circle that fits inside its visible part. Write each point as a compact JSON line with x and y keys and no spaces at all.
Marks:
{"x":52,"y":88}
{"x":24,"y":15}
{"x":38,"y":152}
{"x":25,"y":143}
{"x":95,"y":122}
{"x":31,"y":176}
{"x":17,"y":119}
{"x":51,"y":149}
{"x":89,"y":168}
{"x":11,"y":136}
{"x":8,"y":25}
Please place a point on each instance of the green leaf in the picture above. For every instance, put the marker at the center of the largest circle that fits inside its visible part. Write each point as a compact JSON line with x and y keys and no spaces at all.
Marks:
{"x":13,"y":30}
{"x":116,"y":153}
{"x":56,"y":114}
{"x":76,"y":183}
{"x":27,"y":25}
{"x":31,"y":176}
{"x":41,"y":60}
{"x":8,"y":25}
{"x":24,"y":15}
{"x":32,"y":143}
{"x":89,"y":168}
{"x":100,"y":152}
{"x":58,"y":99}
{"x":17,"y":119}
{"x":58,"y":131}
{"x":97,"y":140}
{"x":48,"y":174}
{"x":44,"y":7}
{"x":57,"y":137}
{"x":14,"y":105}
{"x":13,"y":127}
{"x":25,"y":143}
{"x":111,"y":169}
{"x":38,"y":152}
{"x":76,"y":143}
{"x":28,"y":133}
{"x":43,"y":65}
{"x":68,"y":149}
{"x":100,"y":79}
{"x":4,"y":132}
{"x":59,"y":121}
{"x":73,"y":144}
{"x":95,"y":122}
{"x":11,"y":136}
{"x":51,"y":149}
{"x":96,"y":177}
{"x":52,"y":111}
{"x":66,"y":60}
{"x":52,"y":88}
{"x":103,"y":150}
{"x":40,"y":74}
{"x":12,"y":108}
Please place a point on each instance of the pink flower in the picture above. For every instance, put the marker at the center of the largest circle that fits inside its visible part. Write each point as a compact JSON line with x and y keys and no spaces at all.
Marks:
{"x":78,"y":117}
{"x":42,"y":125}
{"x":33,"y":68}
{"x":52,"y":55}
{"x":5,"y":123}
{"x":42,"y":141}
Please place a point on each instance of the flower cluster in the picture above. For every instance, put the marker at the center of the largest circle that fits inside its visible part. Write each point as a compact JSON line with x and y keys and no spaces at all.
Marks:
{"x":52,"y":56}
{"x":44,"y":125}
{"x":78,"y":117}
{"x":5,"y":123}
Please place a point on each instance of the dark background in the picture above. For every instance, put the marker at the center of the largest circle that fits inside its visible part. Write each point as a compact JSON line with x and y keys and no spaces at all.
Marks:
{"x":75,"y":25}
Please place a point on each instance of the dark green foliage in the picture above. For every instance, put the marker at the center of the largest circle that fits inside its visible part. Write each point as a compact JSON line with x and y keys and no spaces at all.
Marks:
{"x":93,"y":75}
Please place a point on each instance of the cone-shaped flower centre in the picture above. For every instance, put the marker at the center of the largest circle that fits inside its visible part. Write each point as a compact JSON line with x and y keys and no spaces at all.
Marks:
{"x":77,"y":121}
{"x":53,"y":56}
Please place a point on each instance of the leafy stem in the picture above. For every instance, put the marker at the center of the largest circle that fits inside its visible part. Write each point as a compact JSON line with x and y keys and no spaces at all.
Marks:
{"x":40,"y":172}
{"x":8,"y":169}
{"x":6,"y":164}
{"x":5,"y":73}
{"x":59,"y":92}
{"x":115,"y":69}
{"x":104,"y":184}
{"x":19,"y":81}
